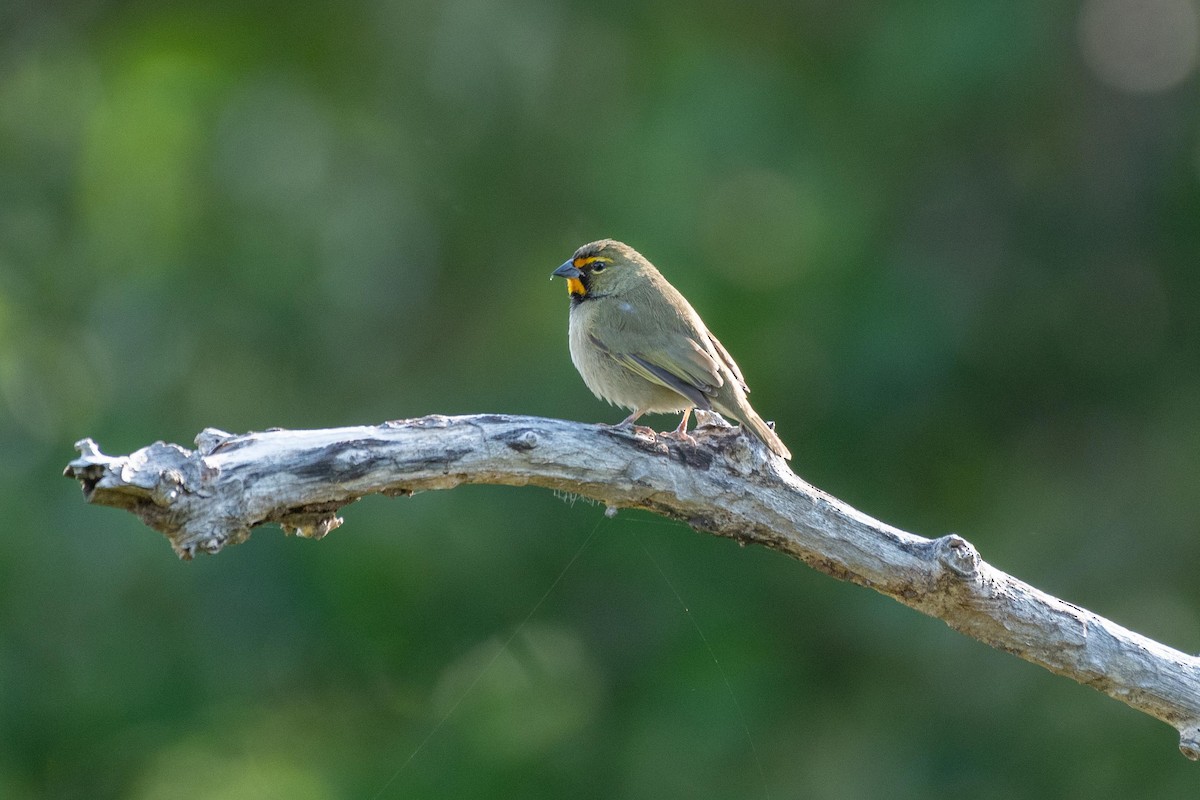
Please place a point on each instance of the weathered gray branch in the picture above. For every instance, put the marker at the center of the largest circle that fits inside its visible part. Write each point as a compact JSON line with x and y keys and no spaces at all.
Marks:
{"x":723,"y":483}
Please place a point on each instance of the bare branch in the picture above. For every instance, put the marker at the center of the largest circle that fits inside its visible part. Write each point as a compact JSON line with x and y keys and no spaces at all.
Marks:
{"x":722,"y":483}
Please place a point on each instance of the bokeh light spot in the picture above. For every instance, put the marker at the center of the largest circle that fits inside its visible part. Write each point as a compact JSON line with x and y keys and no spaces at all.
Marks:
{"x":1140,"y":46}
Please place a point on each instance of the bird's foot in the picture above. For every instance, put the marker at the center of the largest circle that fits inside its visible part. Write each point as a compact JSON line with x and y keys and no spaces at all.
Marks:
{"x":679,"y":436}
{"x":637,"y":430}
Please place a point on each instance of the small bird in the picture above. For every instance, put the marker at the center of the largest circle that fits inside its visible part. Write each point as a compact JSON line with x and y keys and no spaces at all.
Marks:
{"x":640,"y":345}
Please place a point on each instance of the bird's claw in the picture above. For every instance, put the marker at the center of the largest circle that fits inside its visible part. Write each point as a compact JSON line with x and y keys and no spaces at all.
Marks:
{"x":636,"y":430}
{"x":679,"y":436}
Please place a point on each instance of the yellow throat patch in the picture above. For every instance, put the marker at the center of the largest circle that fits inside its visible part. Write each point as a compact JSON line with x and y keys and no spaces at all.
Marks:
{"x":574,"y":285}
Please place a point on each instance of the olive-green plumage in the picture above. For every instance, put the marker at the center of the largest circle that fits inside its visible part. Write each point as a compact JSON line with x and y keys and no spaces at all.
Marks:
{"x":639,"y":344}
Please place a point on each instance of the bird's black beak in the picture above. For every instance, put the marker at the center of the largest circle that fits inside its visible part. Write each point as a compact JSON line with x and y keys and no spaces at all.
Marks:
{"x":567,"y":270}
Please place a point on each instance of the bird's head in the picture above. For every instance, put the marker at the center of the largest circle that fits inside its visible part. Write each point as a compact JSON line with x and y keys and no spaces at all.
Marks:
{"x":602,"y":268}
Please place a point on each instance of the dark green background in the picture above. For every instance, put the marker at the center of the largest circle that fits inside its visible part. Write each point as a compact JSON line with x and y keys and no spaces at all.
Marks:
{"x":954,"y":248}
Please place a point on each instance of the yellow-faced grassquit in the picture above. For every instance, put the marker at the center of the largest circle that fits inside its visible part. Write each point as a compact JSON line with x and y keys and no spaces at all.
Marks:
{"x":639,"y":344}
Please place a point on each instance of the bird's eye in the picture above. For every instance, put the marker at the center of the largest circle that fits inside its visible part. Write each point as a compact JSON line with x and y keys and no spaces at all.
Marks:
{"x":598,"y":266}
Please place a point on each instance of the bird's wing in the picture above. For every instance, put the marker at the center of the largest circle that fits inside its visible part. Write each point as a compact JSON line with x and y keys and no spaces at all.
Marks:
{"x":728,"y":361}
{"x":681,"y":365}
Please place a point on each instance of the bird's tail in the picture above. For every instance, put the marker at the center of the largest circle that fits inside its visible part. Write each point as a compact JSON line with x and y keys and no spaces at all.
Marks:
{"x":761,"y":430}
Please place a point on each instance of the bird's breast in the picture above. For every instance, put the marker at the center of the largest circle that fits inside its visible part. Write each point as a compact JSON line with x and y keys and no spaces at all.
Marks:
{"x":607,"y":378}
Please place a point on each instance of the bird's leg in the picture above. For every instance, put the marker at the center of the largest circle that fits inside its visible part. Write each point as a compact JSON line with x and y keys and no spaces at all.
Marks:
{"x":681,"y":433}
{"x":629,"y":421}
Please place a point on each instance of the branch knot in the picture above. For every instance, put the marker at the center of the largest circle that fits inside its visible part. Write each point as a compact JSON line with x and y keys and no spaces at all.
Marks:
{"x":957,"y":554}
{"x":1189,"y":742}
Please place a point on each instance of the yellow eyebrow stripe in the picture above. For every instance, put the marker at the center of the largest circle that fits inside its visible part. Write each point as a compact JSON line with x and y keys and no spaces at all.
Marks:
{"x":583,"y":262}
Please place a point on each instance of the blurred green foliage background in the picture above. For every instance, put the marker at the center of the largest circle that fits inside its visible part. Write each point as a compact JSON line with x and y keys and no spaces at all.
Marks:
{"x":954,"y":247}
